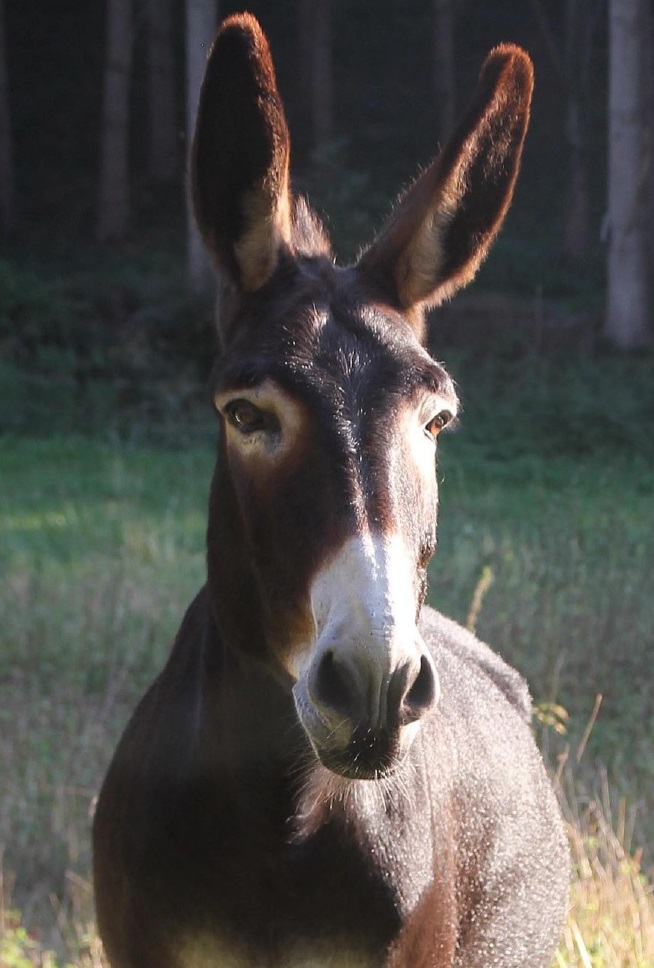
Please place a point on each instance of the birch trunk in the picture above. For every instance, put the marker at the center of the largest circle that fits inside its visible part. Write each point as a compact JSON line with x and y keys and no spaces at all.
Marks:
{"x":444,"y":74}
{"x":627,"y":298}
{"x":647,"y":48}
{"x":164,"y":140}
{"x":7,"y":195}
{"x":571,"y":62}
{"x":304,"y":35}
{"x":576,"y":230}
{"x":201,"y":23}
{"x":113,"y":208}
{"x":579,"y":19}
{"x":321,"y":80}
{"x":315,"y":70}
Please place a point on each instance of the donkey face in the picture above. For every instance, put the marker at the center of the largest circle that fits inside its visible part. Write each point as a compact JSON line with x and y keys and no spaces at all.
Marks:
{"x":330,"y":416}
{"x":323,"y":509}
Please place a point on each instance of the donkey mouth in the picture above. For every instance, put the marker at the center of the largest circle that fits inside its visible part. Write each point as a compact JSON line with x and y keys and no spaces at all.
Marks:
{"x":353,"y":751}
{"x":370,"y":755}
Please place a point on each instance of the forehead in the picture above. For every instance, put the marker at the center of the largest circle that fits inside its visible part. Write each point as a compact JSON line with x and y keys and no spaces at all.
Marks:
{"x":324,"y":335}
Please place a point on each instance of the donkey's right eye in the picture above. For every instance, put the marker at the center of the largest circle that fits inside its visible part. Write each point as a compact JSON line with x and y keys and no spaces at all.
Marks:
{"x":246,"y":417}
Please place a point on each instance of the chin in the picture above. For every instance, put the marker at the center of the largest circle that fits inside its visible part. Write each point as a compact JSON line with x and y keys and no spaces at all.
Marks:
{"x":357,"y":767}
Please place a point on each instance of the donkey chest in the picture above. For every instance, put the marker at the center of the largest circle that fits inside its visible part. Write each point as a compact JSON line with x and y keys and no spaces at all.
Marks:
{"x":326,"y":908}
{"x":214,"y":951}
{"x":250,"y":904}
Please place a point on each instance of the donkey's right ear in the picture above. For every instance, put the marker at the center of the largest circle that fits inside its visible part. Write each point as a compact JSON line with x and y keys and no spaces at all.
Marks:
{"x":240,"y":156}
{"x":444,"y":226}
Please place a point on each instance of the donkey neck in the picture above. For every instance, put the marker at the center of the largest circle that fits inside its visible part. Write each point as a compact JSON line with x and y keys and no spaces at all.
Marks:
{"x":257,"y":718}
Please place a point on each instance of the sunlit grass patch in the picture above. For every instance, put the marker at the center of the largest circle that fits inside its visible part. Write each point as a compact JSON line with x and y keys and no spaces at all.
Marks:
{"x":611,"y":921}
{"x":21,"y":947}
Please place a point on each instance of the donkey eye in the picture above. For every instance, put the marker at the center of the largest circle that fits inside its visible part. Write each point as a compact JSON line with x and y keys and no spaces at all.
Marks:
{"x":437,"y":423}
{"x":245,"y":416}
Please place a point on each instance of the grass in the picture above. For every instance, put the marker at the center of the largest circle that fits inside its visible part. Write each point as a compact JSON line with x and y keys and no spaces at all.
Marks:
{"x":102,"y":548}
{"x":611,"y":922}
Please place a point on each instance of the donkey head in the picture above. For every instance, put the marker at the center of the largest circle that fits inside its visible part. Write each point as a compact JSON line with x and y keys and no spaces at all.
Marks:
{"x":324,"y":500}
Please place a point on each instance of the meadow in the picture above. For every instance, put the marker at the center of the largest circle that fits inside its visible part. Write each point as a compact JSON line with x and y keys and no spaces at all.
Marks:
{"x":545,"y":547}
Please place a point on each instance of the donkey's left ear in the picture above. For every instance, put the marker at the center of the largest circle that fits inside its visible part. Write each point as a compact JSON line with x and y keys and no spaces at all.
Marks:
{"x":240,"y":157}
{"x":443,"y":227}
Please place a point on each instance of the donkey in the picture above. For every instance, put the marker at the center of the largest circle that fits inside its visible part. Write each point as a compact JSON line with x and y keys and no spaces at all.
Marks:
{"x":327,"y":773}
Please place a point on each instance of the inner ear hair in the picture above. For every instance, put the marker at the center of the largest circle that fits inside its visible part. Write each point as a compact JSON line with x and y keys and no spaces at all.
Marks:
{"x":240,"y":156}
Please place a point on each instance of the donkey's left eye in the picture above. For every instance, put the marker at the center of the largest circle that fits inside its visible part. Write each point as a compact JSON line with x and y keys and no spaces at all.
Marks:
{"x":437,"y":423}
{"x":245,"y":416}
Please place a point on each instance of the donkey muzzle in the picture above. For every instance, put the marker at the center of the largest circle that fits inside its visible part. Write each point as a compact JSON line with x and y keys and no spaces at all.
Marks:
{"x":360,"y":705}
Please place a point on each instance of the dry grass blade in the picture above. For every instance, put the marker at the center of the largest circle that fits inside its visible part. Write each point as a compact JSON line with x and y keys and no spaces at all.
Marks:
{"x":611,"y":921}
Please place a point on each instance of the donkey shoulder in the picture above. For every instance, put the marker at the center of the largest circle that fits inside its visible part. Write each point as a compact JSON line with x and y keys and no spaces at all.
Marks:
{"x":452,"y":645}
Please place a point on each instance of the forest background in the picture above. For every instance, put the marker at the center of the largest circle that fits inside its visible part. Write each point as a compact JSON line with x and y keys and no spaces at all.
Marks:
{"x":107,"y":436}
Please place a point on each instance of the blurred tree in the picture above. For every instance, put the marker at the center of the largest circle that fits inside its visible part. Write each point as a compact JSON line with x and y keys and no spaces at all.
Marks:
{"x":444,"y":73}
{"x":627,"y":298}
{"x":580,"y":19}
{"x":6,"y":146}
{"x":647,"y":50}
{"x":201,"y":23}
{"x":113,"y":203}
{"x":164,"y":140}
{"x":315,"y":69}
{"x":571,"y":60}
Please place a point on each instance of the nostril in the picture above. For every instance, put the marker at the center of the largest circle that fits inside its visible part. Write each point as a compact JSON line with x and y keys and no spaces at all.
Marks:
{"x":332,"y":687}
{"x":421,"y":694}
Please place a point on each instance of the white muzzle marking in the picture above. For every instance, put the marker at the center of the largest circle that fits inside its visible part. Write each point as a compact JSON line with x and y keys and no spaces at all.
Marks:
{"x":364,"y":606}
{"x":363,"y":599}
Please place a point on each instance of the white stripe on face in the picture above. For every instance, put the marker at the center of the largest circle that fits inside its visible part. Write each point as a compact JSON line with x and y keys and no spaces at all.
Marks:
{"x":368,"y":655}
{"x":364,"y":602}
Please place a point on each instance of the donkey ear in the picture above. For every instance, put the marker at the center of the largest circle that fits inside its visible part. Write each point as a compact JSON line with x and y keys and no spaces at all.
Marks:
{"x":240,"y":156}
{"x":443,"y":227}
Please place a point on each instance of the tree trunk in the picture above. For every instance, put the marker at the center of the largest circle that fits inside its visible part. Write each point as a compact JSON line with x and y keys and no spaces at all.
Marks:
{"x":113,"y":209}
{"x":201,"y":22}
{"x":647,"y":49}
{"x":315,"y":70}
{"x":164,"y":140}
{"x":304,"y":35}
{"x":571,"y":63}
{"x":576,"y":231}
{"x":322,"y":79}
{"x":627,"y":298}
{"x":444,"y":74}
{"x":7,"y":195}
{"x":579,"y":17}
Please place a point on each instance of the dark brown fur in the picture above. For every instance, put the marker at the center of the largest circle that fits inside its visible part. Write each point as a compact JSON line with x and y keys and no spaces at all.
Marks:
{"x":234,"y":827}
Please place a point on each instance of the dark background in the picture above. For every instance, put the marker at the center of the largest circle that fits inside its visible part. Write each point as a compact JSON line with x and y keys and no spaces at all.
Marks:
{"x":385,"y":118}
